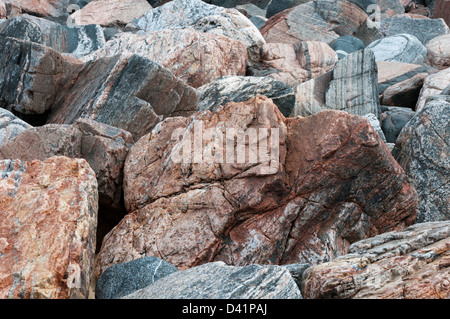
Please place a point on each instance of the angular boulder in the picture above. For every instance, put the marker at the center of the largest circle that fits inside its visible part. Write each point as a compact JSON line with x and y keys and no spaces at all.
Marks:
{"x":127,"y":91}
{"x":47,"y":230}
{"x":41,"y":8}
{"x":220,"y":281}
{"x":195,"y":57}
{"x":409,"y":264}
{"x":111,"y":13}
{"x":319,"y":20}
{"x":303,"y":199}
{"x":422,"y":150}
{"x":295,"y":63}
{"x":433,"y":85}
{"x":123,"y":279}
{"x":403,"y":48}
{"x":240,"y":89}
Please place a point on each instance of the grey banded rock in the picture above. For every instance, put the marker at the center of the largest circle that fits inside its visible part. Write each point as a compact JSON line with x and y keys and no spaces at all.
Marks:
{"x":10,"y":126}
{"x":127,"y":91}
{"x":354,"y":87}
{"x":78,"y":41}
{"x":403,"y":48}
{"x":408,"y":264}
{"x":392,"y":73}
{"x":203,"y":17}
{"x":276,"y":6}
{"x":219,"y":281}
{"x":373,"y":120}
{"x":32,"y":75}
{"x":423,"y":29}
{"x":320,"y":20}
{"x":422,"y":150}
{"x":241,"y":89}
{"x":125,"y":278}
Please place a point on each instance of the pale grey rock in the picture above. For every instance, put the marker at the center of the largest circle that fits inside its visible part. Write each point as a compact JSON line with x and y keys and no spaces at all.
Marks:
{"x":403,"y":48}
{"x":422,"y":149}
{"x":10,"y":126}
{"x":219,"y":281}
{"x":433,"y":85}
{"x":373,"y":120}
{"x":354,"y":87}
{"x":123,"y":279}
{"x":243,"y":88}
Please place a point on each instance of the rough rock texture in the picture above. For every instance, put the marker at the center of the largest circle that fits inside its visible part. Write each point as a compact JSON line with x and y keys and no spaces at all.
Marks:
{"x":179,"y":14}
{"x":373,"y":120}
{"x":354,"y":87}
{"x":78,"y":41}
{"x":393,"y":119}
{"x":241,"y":89}
{"x":422,"y":29}
{"x":31,"y":75}
{"x":422,"y":150}
{"x":319,"y":20}
{"x":220,"y":281}
{"x":346,"y":44}
{"x":123,"y":279}
{"x":111,"y":12}
{"x":195,"y":57}
{"x":234,"y":3}
{"x":438,"y":55}
{"x":310,"y":95}
{"x":10,"y":126}
{"x":442,"y":10}
{"x":433,"y":85}
{"x":41,"y":8}
{"x":2,"y":10}
{"x":403,"y":48}
{"x":320,"y":193}
{"x":47,"y":246}
{"x":411,"y":264}
{"x":295,"y":63}
{"x":127,"y":91}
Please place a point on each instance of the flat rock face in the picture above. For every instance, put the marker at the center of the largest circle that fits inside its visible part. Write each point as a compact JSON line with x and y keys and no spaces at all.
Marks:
{"x":403,"y":48}
{"x":411,"y":264}
{"x":10,"y":126}
{"x":111,"y":12}
{"x":241,"y":89}
{"x":277,"y":6}
{"x":442,"y":10}
{"x":179,"y":14}
{"x":31,"y":75}
{"x":47,"y":246}
{"x":220,"y":281}
{"x":295,"y":63}
{"x":127,"y":91}
{"x":327,"y":190}
{"x":195,"y":57}
{"x":354,"y":85}
{"x":123,"y":279}
{"x":422,"y":150}
{"x":422,"y":29}
{"x":433,"y":85}
{"x":319,"y":20}
{"x":392,"y":73}
{"x":438,"y":49}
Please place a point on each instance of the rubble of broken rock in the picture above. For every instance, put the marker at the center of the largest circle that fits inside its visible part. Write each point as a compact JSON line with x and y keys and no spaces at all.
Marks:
{"x":115,"y":126}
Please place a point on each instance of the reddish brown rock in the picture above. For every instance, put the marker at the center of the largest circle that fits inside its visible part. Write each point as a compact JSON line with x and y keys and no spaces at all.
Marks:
{"x":404,"y":93}
{"x":109,"y":13}
{"x":295,"y":63}
{"x":41,"y":8}
{"x":321,"y":21}
{"x":333,"y":182}
{"x":47,"y":231}
{"x":193,"y":56}
{"x":411,"y":264}
{"x":442,"y":10}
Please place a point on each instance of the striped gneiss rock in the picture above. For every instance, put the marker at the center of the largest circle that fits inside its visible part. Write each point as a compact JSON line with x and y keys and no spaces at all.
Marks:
{"x":403,"y":48}
{"x":47,"y":245}
{"x":10,"y":126}
{"x":327,"y":190}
